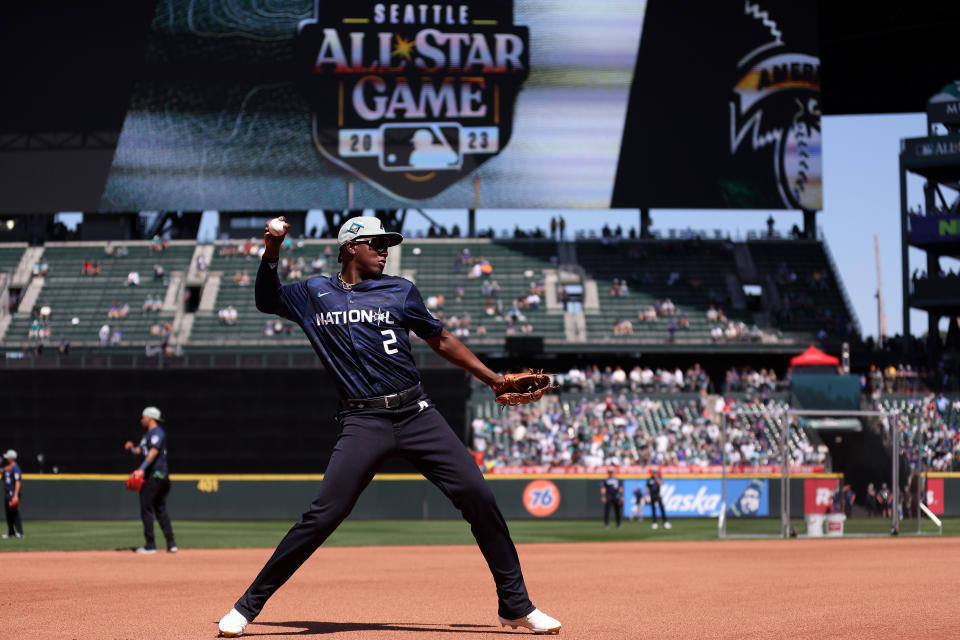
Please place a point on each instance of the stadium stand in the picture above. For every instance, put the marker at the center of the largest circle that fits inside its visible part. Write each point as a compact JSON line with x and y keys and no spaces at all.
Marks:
{"x":933,"y":427}
{"x":633,"y":429}
{"x":228,"y":283}
{"x":691,"y":274}
{"x":79,"y":303}
{"x":484,"y":290}
{"x":440,"y":268}
{"x":811,"y":295}
{"x":10,"y":254}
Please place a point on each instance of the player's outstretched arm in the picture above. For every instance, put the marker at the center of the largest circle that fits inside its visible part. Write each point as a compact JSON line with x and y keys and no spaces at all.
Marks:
{"x":266,"y":290}
{"x":456,"y":353}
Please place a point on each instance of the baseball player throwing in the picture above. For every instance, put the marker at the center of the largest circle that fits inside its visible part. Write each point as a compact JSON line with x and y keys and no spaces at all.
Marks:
{"x":358,"y":323}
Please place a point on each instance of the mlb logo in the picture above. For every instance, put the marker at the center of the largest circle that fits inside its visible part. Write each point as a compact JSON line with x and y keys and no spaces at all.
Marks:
{"x":421,"y":147}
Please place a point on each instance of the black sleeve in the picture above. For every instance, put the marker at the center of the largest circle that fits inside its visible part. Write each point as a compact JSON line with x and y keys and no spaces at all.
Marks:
{"x":267,"y":287}
{"x":272,"y":297}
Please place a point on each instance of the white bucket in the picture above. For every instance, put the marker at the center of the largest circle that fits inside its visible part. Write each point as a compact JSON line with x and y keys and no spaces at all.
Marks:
{"x":835,"y":524}
{"x":815,"y":525}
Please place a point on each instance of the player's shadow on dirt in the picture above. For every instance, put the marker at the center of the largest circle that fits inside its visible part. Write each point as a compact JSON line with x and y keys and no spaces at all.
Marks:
{"x":314,"y":628}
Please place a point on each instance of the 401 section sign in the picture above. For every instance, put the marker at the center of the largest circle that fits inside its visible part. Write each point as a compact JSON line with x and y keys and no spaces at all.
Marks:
{"x":411,"y":97}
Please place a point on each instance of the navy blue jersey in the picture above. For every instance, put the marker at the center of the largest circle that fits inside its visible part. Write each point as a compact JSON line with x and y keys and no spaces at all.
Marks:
{"x":155,"y":438}
{"x":10,"y":478}
{"x":653,"y":487}
{"x":361,"y":334}
{"x":612,"y":485}
{"x":638,"y":494}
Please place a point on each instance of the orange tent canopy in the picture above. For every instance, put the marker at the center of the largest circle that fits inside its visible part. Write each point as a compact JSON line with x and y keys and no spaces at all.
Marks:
{"x":814,"y":357}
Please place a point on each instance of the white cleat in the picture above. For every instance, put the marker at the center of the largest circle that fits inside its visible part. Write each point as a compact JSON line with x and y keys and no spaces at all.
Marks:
{"x":144,"y":551}
{"x":656,"y":526}
{"x":667,"y":525}
{"x":536,"y":621}
{"x":233,"y":624}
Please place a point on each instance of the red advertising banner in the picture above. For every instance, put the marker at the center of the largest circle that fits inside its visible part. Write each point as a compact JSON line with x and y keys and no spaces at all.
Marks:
{"x":934,"y":499}
{"x":645,"y":470}
{"x":818,"y":495}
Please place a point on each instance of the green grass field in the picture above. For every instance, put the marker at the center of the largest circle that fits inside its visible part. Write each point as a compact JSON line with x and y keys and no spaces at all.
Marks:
{"x":74,"y":535}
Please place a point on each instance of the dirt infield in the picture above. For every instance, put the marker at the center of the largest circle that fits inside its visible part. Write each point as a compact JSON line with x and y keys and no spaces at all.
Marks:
{"x":877,"y":588}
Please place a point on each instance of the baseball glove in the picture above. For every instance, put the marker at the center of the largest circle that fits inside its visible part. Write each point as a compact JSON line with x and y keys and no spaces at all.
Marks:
{"x":14,"y":503}
{"x":135,"y":480}
{"x":522,"y":388}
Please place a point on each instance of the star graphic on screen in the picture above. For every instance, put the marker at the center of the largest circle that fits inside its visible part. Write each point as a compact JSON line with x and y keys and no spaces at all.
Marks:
{"x":404,"y":47}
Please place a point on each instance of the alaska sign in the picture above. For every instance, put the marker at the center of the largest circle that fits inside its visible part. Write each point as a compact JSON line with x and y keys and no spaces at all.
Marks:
{"x":411,"y":97}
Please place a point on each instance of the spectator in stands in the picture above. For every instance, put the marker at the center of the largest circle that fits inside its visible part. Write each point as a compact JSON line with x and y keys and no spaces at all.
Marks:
{"x":120,"y":252}
{"x":104,"y":335}
{"x":228,"y":315}
{"x":116,"y":336}
{"x":458,"y":292}
{"x":533,"y":300}
{"x":86,"y":268}
{"x":667,"y":308}
{"x":158,"y":272}
{"x":510,"y":329}
{"x":114,"y":310}
{"x":133,"y":279}
{"x":157,"y":244}
{"x":712,"y":315}
{"x":683,"y":322}
{"x":201,"y":264}
{"x":241,"y":278}
{"x":671,"y":331}
{"x":526,"y":327}
{"x":108,"y":249}
{"x":36,"y":327}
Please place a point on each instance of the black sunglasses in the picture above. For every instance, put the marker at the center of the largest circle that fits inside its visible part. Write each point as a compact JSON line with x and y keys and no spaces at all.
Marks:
{"x":378,"y":244}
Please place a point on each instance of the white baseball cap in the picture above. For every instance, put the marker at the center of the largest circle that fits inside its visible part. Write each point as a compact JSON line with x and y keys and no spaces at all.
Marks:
{"x":152,"y":412}
{"x":365,"y":227}
{"x":10,"y":455}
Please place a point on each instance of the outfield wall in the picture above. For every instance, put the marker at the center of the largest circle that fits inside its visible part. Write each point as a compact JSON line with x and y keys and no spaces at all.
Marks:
{"x":410,"y":497}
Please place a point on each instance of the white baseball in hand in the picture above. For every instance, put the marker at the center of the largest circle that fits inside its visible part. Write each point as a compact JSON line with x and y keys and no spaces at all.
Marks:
{"x":277,"y":227}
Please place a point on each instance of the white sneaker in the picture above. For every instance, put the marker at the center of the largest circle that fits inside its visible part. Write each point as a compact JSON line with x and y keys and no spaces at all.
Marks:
{"x":656,"y":526}
{"x":537,"y":621}
{"x":233,"y":624}
{"x":144,"y":550}
{"x":173,"y":549}
{"x":5,"y":536}
{"x":667,"y":525}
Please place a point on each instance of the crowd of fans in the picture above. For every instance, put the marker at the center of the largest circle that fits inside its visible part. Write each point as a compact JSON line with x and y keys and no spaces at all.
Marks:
{"x":628,"y":429}
{"x":930,"y":430}
{"x":593,"y":379}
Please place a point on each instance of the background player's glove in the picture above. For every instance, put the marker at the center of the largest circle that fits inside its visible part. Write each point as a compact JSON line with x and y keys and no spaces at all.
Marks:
{"x":522,"y":388}
{"x":14,"y":503}
{"x":135,"y":481}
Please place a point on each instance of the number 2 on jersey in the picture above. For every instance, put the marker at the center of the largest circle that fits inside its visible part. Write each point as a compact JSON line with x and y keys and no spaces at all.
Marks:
{"x":392,"y":339}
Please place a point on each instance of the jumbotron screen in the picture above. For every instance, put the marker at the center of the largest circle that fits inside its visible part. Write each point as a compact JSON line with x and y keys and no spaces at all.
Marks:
{"x":300,"y":104}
